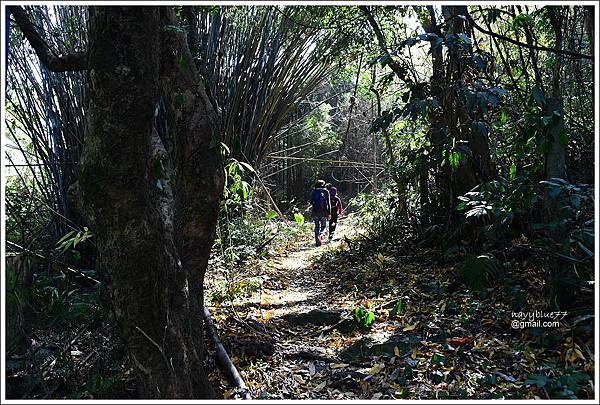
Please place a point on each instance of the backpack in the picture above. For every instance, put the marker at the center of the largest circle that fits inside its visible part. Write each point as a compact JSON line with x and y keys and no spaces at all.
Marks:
{"x":336,"y":205}
{"x":320,"y":200}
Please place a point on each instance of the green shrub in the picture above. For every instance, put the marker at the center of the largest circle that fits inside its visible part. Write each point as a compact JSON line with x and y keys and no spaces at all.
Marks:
{"x":480,"y":271}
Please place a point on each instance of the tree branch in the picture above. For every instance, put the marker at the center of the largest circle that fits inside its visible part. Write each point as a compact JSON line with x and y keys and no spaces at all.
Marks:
{"x":393,"y":64}
{"x":576,"y":55}
{"x":232,"y":373}
{"x":71,"y":62}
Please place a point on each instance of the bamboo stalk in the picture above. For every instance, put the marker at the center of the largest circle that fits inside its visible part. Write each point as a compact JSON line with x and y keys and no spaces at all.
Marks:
{"x":269,"y":67}
{"x":345,"y":162}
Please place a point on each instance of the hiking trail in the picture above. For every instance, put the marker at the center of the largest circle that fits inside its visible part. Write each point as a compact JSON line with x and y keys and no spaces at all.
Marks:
{"x":283,"y":319}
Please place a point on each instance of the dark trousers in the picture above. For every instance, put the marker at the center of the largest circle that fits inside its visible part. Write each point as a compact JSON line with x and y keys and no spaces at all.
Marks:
{"x":333,"y":224}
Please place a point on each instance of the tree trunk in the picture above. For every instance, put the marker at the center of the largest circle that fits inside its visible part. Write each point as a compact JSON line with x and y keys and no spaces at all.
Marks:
{"x":436,"y":133}
{"x":19,"y":277}
{"x":560,"y":292}
{"x":556,"y":155}
{"x":151,"y":189}
{"x":555,"y":158}
{"x":477,"y":167}
{"x":400,"y":186}
{"x":589,"y":26}
{"x":454,"y":112}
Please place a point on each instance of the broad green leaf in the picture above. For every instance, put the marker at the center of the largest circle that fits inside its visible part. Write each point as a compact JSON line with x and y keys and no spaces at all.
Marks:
{"x":513,"y":172}
{"x":477,"y":212}
{"x":225,"y":149}
{"x":399,"y":307}
{"x":299,"y":218}
{"x":538,"y":380}
{"x":454,"y":159}
{"x":538,"y":96}
{"x":465,"y":39}
{"x":563,"y":139}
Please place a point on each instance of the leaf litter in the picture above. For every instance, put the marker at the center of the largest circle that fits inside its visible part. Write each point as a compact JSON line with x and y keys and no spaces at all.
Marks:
{"x":431,"y":338}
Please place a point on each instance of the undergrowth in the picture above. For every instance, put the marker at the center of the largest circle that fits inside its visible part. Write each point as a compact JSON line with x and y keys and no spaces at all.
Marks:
{"x":503,"y":273}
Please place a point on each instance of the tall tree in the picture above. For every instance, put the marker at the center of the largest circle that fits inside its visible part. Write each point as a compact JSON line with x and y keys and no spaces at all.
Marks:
{"x":401,"y":74}
{"x":462,"y":125}
{"x":436,"y":124}
{"x":555,"y":166}
{"x":150,"y":179}
{"x":556,"y":156}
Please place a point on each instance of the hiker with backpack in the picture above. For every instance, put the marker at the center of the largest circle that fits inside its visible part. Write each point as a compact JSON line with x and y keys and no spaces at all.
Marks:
{"x":336,"y":210}
{"x":321,"y":210}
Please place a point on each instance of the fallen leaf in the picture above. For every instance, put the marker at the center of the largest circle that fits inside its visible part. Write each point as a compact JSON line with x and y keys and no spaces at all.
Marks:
{"x":410,"y":327}
{"x":320,"y":386}
{"x":396,"y":351}
{"x":364,"y":386}
{"x":508,"y":378}
{"x":412,"y":362}
{"x":574,"y":354}
{"x":376,"y":368}
{"x":311,"y":368}
{"x":339,"y":365}
{"x":299,"y":378}
{"x":459,"y":341}
{"x":268,"y":315}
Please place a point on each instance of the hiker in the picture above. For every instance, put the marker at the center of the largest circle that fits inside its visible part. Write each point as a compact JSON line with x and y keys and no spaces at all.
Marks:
{"x":336,"y":210}
{"x":321,"y":210}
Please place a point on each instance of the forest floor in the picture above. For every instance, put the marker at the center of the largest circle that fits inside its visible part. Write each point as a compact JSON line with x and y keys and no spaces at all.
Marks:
{"x":293,"y":334}
{"x":361,"y":317}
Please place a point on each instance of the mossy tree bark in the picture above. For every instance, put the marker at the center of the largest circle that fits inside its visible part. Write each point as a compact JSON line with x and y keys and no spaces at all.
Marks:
{"x":151,"y":180}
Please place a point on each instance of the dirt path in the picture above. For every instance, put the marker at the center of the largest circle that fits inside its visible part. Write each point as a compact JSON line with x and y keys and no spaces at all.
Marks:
{"x":294,"y":293}
{"x":291,"y":284}
{"x":268,"y":346}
